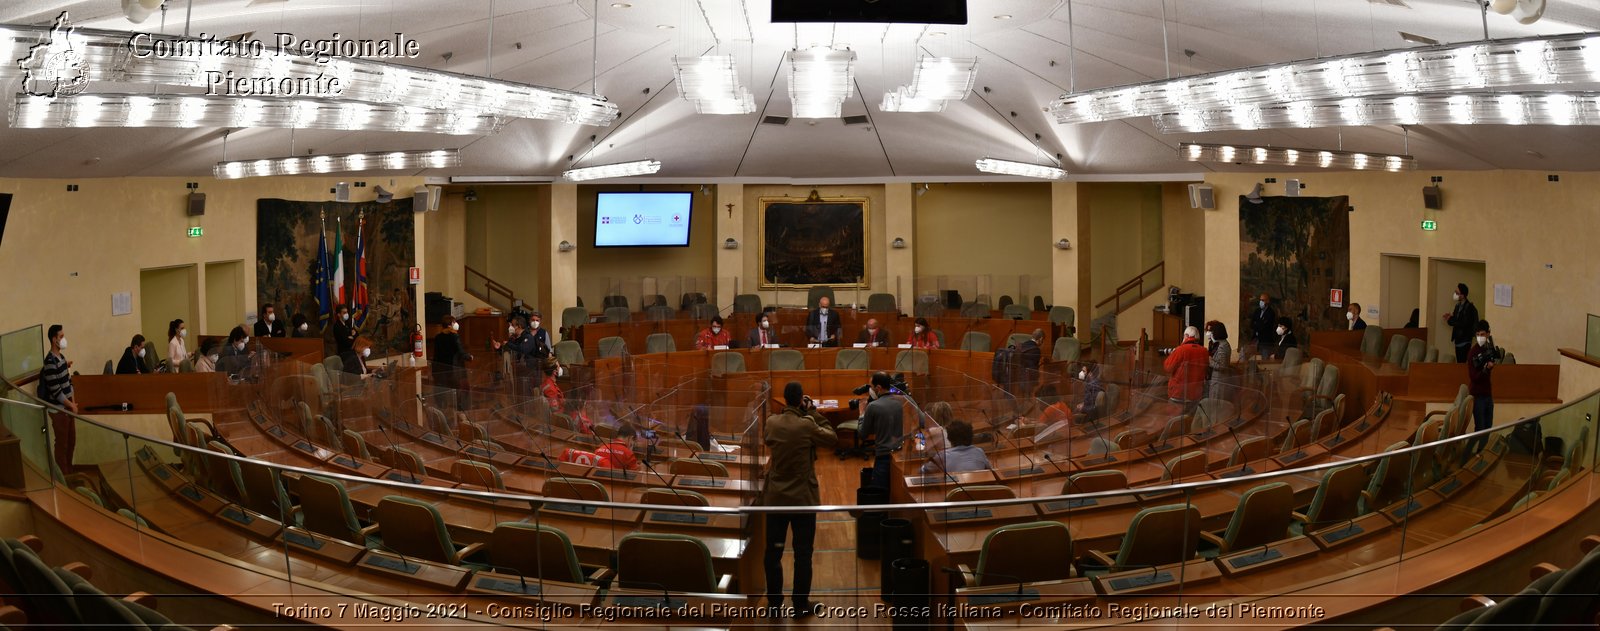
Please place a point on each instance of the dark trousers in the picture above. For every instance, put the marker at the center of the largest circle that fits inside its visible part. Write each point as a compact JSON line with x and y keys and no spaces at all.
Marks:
{"x":880,"y":470}
{"x":1461,"y":353}
{"x":805,"y":536}
{"x":1482,"y":418}
{"x":65,"y":429}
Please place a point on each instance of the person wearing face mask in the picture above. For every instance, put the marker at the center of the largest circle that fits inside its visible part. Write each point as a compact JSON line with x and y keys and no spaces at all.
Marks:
{"x":1263,"y":326}
{"x":450,"y":359}
{"x":132,"y":362}
{"x":234,"y":359}
{"x":344,"y":332}
{"x":712,"y":336}
{"x":1219,"y":348}
{"x":268,"y":325}
{"x":55,"y":387}
{"x":763,"y":334}
{"x":1481,"y":357}
{"x":356,"y":363}
{"x":519,"y":347}
{"x":299,"y":327}
{"x":176,"y":351}
{"x":1089,"y":407}
{"x":1186,"y":369}
{"x":1462,"y":320}
{"x":922,"y":335}
{"x":1286,"y":339}
{"x":550,"y":389}
{"x":822,"y":326}
{"x":1353,"y":315}
{"x":206,"y":361}
{"x":873,"y":336}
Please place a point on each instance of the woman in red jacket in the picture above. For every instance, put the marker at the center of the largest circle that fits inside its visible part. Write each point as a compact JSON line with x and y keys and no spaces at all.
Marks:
{"x":1186,"y":369}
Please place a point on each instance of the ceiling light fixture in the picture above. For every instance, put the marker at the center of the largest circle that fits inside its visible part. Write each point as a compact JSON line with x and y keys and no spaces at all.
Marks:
{"x":820,"y":79}
{"x":1003,"y":16}
{"x":934,"y":82}
{"x":337,"y":163}
{"x":711,"y":82}
{"x":175,"y":110}
{"x":1505,"y":108}
{"x":620,"y":169}
{"x":1024,"y":169}
{"x":1513,"y":63}
{"x":729,"y":20}
{"x":109,"y":57}
{"x":1288,"y":157}
{"x":621,"y":5}
{"x":665,"y":27}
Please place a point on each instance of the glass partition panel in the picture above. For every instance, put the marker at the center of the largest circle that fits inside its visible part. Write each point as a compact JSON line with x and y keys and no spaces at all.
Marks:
{"x":22,"y":353}
{"x":1591,"y":339}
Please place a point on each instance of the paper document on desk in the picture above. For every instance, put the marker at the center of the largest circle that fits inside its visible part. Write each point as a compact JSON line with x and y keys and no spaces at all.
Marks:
{"x":727,"y":449}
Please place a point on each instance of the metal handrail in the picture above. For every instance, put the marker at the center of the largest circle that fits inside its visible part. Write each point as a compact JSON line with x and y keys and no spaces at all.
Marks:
{"x":1135,"y":282}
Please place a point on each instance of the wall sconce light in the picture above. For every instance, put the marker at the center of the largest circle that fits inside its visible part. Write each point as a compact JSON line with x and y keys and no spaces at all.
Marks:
{"x":730,"y":244}
{"x":566,"y":246}
{"x":1063,"y":244}
{"x":898,"y":243}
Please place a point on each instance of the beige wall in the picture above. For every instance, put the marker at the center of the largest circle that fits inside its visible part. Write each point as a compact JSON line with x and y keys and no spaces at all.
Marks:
{"x":1001,"y":230}
{"x":1400,"y":284}
{"x":1124,"y":233}
{"x":630,"y":271}
{"x":162,"y":295}
{"x":66,"y":253}
{"x":511,"y":228}
{"x":1444,"y":275}
{"x":1183,"y":241}
{"x":877,"y":266}
{"x":1516,"y":221}
{"x":225,"y":300}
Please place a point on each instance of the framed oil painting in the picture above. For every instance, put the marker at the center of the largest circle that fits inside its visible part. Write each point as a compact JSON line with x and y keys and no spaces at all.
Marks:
{"x":813,"y":241}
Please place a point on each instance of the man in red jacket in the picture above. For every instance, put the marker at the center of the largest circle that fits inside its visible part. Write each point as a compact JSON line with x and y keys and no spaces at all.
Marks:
{"x":1186,"y":369}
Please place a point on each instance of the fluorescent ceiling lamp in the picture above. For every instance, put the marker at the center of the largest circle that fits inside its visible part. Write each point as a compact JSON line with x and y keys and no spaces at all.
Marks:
{"x":1513,"y":63}
{"x":1288,"y":157}
{"x":945,"y":78}
{"x":174,"y":110}
{"x":196,"y":63}
{"x":728,"y":19}
{"x":900,"y":100}
{"x":711,"y":82}
{"x":304,"y":165}
{"x":620,"y":169}
{"x":1505,"y":108}
{"x":1024,"y":169}
{"x":820,"y":79}
{"x":745,"y":104}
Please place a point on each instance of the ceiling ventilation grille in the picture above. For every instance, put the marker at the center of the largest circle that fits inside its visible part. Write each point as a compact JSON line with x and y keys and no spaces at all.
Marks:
{"x":775,"y":120}
{"x":855,"y":120}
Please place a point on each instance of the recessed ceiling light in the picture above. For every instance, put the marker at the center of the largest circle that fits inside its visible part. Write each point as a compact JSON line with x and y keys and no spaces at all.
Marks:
{"x":665,"y":27}
{"x":620,"y":5}
{"x":1003,"y":16}
{"x":936,"y":34}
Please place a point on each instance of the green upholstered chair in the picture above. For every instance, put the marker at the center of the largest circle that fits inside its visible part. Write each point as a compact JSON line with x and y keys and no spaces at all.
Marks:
{"x":975,"y":341}
{"x":405,"y":459}
{"x":618,"y":314}
{"x":911,"y":361}
{"x":747,"y":303}
{"x":414,"y":528}
{"x":562,"y":487}
{"x":1158,"y":535}
{"x":1062,"y":315}
{"x":1338,"y":499}
{"x":574,"y":317}
{"x":354,"y":444}
{"x":816,"y":292}
{"x":691,"y":466}
{"x":669,"y":562}
{"x":264,"y":491}
{"x":786,"y":359}
{"x":881,"y":303}
{"x":979,"y":492}
{"x":663,"y":496}
{"x":134,"y":517}
{"x":569,"y":352}
{"x":852,"y":359}
{"x":1016,"y":312}
{"x":1023,"y":553}
{"x":325,"y":509}
{"x":612,"y":347}
{"x":1263,"y":516}
{"x":727,"y":362}
{"x":1066,"y":349}
{"x":478,"y":474}
{"x":1192,"y":463}
{"x":1249,"y":450}
{"x":1298,"y":436}
{"x":89,"y":493}
{"x":1388,"y":482}
{"x":536,"y":551}
{"x":1095,"y":482}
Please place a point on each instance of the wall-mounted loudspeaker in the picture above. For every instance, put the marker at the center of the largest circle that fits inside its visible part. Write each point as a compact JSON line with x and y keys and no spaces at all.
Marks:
{"x":426,"y":198}
{"x":197,"y":204}
{"x":341,"y":192}
{"x":1202,"y":196}
{"x":1291,"y":188}
{"x":1432,"y":199}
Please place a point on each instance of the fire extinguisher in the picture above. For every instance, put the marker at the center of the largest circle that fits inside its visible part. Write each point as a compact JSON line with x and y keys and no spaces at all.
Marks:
{"x":416,"y":342}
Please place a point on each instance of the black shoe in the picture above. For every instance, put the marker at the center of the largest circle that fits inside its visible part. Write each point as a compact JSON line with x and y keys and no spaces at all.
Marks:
{"x":805,"y":610}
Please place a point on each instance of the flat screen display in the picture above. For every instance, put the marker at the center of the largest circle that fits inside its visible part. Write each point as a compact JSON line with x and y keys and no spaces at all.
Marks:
{"x":635,"y":220}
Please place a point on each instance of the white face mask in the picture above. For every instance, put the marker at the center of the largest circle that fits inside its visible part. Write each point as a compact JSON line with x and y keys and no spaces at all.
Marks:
{"x":1455,"y":296}
{"x":561,"y":372}
{"x":183,"y":332}
{"x":1281,"y":330}
{"x":455,"y":326}
{"x":511,"y":330}
{"x":62,"y":344}
{"x":1083,"y":375}
{"x":214,"y":358}
{"x":366,"y":352}
{"x":141,"y":353}
{"x":715,"y":330}
{"x":873,"y":330}
{"x":822,"y":310}
{"x":239,"y":346}
{"x":534,"y":324}
{"x":1351,"y":316}
{"x":1483,"y":340}
{"x":272,"y":317}
{"x":1263,"y":304}
{"x":345,"y":317}
{"x":1208,"y":337}
{"x":302,"y":327}
{"x":919,"y":329}
{"x":765,"y":324}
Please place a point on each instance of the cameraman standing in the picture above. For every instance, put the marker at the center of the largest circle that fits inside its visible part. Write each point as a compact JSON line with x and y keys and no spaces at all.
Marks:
{"x":792,"y":439}
{"x":1481,"y":358}
{"x":884,"y":420}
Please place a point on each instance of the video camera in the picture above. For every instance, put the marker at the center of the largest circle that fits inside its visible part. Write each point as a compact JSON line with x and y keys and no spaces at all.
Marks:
{"x":1490,"y":353}
{"x":897,"y":385}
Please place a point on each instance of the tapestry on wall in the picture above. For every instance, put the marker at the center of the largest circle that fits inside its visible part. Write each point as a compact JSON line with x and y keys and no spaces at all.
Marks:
{"x":1295,"y":249}
{"x":287,"y":262}
{"x":806,"y":242}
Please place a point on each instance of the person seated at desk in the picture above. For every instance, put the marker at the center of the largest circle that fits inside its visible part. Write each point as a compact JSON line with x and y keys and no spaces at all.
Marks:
{"x":712,"y":336}
{"x":822,"y":326}
{"x":550,"y":389}
{"x":176,"y":351}
{"x":1057,"y":409}
{"x":1286,"y":339}
{"x":355,"y":363}
{"x":961,"y":456}
{"x":268,"y":325}
{"x":302,"y":328}
{"x":699,"y":430}
{"x":873,"y":336}
{"x":922,"y":335}
{"x":763,"y":334}
{"x":579,"y":413}
{"x":132,"y":362}
{"x":234,"y":359}
{"x":207,"y":360}
{"x":618,"y":454}
{"x":1088,"y":406}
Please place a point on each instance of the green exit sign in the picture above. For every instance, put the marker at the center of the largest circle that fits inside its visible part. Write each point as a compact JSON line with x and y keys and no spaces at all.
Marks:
{"x":1427,"y":224}
{"x":197,"y":231}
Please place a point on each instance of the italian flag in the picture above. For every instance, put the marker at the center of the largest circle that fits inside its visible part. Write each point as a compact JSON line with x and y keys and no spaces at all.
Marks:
{"x":338,"y":265}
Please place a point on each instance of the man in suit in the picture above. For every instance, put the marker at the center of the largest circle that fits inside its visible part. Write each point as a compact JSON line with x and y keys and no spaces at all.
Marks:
{"x":521,"y":347}
{"x":132,"y":362}
{"x":763,"y":334}
{"x":344,"y":332}
{"x":1263,"y":327}
{"x":268,"y":325}
{"x":873,"y":336}
{"x":792,"y":439}
{"x":822,"y":326}
{"x":1462,"y":319}
{"x":1354,"y":316}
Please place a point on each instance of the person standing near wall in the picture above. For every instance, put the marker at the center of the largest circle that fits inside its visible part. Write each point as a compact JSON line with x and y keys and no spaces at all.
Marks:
{"x":55,"y":387}
{"x":1463,"y":321}
{"x":1481,"y":358}
{"x":1221,"y":364}
{"x":792,"y":439}
{"x":1263,"y":325}
{"x":176,"y":351}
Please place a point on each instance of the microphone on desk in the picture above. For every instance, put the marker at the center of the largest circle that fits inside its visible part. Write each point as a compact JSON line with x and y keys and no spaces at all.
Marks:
{"x":405,"y":563}
{"x":1021,"y":582}
{"x":523,"y":580}
{"x":394,"y":453}
{"x":666,"y":594}
{"x":652,"y":468}
{"x":693,"y":453}
{"x":1238,"y":447}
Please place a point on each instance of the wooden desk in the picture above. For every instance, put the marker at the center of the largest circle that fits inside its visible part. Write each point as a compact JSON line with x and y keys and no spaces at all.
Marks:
{"x":196,"y":392}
